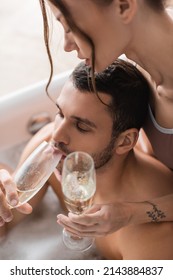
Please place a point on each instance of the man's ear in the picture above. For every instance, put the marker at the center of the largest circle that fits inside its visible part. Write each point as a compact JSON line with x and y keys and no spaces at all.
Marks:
{"x":127,"y":9}
{"x":126,"y":141}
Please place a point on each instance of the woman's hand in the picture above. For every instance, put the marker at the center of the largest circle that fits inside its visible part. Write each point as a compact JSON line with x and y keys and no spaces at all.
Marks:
{"x":99,"y":220}
{"x":9,"y":196}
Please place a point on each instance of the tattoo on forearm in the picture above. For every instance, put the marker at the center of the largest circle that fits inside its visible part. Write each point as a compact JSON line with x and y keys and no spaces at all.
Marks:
{"x":155,"y":214}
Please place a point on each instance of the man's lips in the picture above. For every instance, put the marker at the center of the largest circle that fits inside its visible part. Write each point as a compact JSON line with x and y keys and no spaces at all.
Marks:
{"x":63,"y":157}
{"x":61,"y":161}
{"x":56,"y":148}
{"x":57,"y":174}
{"x":58,"y":169}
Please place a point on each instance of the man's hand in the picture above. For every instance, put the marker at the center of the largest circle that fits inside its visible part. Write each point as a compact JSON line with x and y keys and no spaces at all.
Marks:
{"x":9,"y":196}
{"x":99,"y":220}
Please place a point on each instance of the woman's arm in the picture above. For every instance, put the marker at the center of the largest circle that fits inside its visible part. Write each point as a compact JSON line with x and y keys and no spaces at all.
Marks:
{"x":104,"y":219}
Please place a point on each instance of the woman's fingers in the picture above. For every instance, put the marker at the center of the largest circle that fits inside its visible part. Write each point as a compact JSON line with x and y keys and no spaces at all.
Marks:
{"x":99,"y":220}
{"x":89,"y":218}
{"x":78,"y":229}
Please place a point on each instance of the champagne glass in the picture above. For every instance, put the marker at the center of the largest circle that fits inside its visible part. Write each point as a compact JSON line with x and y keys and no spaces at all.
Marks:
{"x":35,"y":171}
{"x":78,"y":187}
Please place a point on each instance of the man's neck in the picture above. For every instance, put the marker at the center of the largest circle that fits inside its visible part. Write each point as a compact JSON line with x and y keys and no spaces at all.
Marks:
{"x":113,"y":177}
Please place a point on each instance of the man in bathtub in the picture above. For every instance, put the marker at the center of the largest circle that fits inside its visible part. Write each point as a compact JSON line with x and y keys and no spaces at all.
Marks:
{"x":106,"y":125}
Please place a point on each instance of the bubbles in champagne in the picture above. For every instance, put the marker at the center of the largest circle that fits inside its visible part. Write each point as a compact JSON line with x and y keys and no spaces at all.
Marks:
{"x":78,"y":187}
{"x":78,"y":191}
{"x":28,"y":178}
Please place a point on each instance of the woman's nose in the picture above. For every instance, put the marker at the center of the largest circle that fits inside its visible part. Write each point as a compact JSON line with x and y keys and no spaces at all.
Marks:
{"x":60,"y":134}
{"x":69,"y":43}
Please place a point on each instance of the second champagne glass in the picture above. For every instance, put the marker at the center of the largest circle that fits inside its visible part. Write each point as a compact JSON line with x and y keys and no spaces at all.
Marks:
{"x":78,"y":186}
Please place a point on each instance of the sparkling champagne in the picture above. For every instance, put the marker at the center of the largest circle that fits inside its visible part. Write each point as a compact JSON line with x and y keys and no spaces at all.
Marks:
{"x":35,"y":171}
{"x":78,"y":192}
{"x":25,"y":196}
{"x":78,"y":187}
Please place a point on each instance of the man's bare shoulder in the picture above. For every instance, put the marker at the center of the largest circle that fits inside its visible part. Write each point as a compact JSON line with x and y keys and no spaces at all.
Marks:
{"x":147,"y":241}
{"x":155,"y":179}
{"x":143,"y":242}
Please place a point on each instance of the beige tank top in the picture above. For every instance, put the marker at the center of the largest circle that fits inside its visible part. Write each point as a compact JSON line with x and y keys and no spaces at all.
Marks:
{"x":161,"y":140}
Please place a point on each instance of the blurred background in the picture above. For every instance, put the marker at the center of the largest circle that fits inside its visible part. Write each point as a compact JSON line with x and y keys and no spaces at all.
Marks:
{"x":23,"y":57}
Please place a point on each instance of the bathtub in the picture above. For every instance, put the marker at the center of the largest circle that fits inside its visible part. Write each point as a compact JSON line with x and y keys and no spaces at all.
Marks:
{"x":38,"y":236}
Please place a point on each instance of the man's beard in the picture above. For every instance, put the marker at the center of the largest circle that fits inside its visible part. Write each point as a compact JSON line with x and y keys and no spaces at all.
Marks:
{"x":100,"y":159}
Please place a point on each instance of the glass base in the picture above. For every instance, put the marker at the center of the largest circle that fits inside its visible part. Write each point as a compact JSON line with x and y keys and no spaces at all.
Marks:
{"x":77,"y":243}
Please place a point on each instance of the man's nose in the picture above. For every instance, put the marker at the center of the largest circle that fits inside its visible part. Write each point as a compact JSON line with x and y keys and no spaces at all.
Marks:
{"x":60,"y":134}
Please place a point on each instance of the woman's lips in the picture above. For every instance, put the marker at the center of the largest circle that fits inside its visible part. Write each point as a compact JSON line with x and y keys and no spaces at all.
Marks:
{"x":87,"y":62}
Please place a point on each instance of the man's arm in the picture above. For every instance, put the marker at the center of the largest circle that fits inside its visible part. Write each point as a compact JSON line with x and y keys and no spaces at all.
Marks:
{"x":7,"y":187}
{"x":148,"y":242}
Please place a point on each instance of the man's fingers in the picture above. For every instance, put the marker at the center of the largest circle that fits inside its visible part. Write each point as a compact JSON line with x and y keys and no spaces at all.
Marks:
{"x":2,"y":222}
{"x":9,"y":187}
{"x":11,"y":194}
{"x":5,"y":212}
{"x":9,"y":197}
{"x":25,"y":208}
